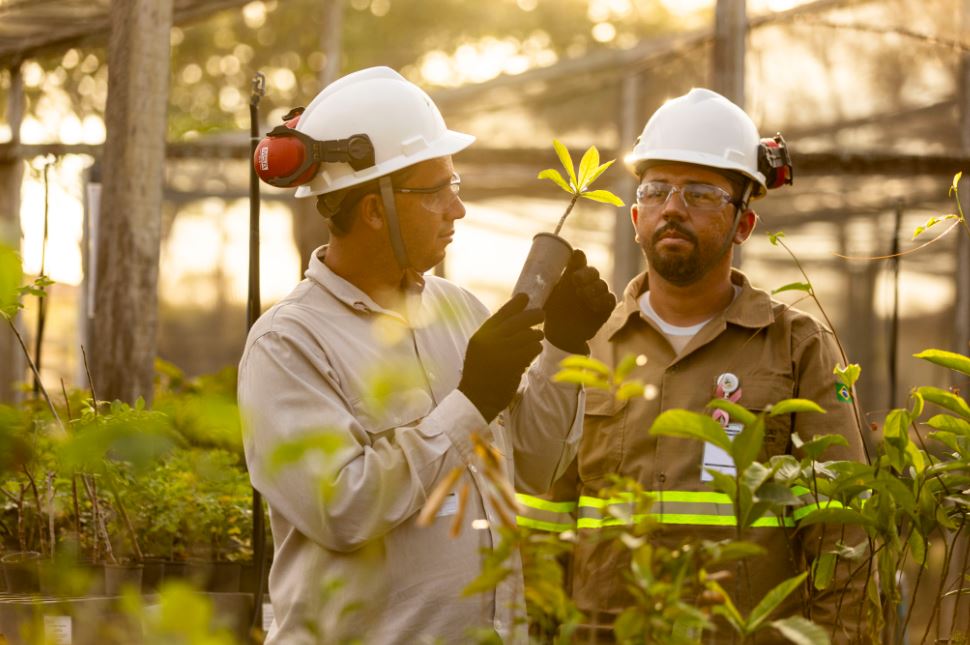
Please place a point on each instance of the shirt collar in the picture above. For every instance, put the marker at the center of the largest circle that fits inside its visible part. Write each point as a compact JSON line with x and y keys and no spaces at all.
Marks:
{"x":752,"y":308}
{"x":344,"y":291}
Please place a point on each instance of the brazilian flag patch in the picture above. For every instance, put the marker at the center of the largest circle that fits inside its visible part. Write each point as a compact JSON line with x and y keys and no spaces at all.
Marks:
{"x":843,"y":393}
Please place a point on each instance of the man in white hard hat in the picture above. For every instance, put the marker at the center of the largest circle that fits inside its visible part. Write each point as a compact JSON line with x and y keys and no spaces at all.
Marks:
{"x":374,"y":379}
{"x":706,"y":333}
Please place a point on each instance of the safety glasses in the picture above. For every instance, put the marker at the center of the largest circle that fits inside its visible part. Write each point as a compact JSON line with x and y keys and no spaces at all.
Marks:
{"x":436,"y":199}
{"x":698,"y":197}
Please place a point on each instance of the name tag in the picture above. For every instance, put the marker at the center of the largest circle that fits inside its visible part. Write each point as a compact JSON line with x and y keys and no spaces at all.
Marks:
{"x":717,"y":459}
{"x":449,"y":506}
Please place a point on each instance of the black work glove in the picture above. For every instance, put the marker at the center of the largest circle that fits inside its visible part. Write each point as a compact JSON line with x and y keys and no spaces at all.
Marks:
{"x":498,"y":354}
{"x":578,"y":306}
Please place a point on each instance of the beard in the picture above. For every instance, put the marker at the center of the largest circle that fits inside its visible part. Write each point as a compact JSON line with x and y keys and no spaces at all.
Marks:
{"x":675,"y":268}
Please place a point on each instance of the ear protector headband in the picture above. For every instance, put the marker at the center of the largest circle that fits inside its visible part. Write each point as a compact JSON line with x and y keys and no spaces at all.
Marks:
{"x":774,"y":162}
{"x":286,"y":157}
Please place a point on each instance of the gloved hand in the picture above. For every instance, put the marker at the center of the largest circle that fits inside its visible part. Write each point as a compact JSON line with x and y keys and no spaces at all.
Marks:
{"x":578,"y":306}
{"x":498,"y":354}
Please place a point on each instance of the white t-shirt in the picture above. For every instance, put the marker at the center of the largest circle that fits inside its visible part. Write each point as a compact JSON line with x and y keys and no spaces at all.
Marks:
{"x":677,"y":336}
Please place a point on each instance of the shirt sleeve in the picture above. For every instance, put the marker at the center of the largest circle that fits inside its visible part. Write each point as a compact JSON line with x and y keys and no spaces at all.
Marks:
{"x":815,"y":358}
{"x":546,"y":421}
{"x":350,"y":486}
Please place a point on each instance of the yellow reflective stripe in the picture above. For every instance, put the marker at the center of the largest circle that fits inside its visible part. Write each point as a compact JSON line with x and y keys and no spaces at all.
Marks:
{"x":684,"y":518}
{"x":599,"y":502}
{"x":544,"y":504}
{"x":691,"y":497}
{"x":553,"y":527}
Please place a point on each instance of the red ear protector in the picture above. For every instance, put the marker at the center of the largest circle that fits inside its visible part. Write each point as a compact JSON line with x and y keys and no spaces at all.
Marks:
{"x":774,"y":162}
{"x":287,"y":158}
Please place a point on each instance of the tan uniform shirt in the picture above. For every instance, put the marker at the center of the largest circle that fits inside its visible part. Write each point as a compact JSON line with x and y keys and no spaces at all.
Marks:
{"x":349,"y":560}
{"x":776,"y":353}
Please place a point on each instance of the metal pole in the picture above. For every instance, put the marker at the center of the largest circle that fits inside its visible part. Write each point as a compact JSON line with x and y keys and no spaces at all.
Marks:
{"x":253,"y":307}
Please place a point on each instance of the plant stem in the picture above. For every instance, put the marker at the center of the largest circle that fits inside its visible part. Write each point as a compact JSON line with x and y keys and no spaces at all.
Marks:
{"x":562,"y":220}
{"x":40,"y":511}
{"x":845,"y":359}
{"x":33,"y":368}
{"x":87,"y":370}
{"x":132,"y":534}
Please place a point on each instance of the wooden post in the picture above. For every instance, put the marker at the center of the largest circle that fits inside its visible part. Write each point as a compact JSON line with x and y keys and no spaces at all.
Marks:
{"x":627,"y":256}
{"x":12,"y":363}
{"x":126,"y":303}
{"x":727,"y":65}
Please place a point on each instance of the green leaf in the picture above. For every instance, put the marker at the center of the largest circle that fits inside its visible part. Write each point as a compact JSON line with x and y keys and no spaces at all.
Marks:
{"x":818,"y":444}
{"x":835,"y":516}
{"x":627,"y":363}
{"x":724,"y":484}
{"x":580,"y":362}
{"x":587,"y":165}
{"x":955,"y":186}
{"x":728,"y":610}
{"x":823,"y":570}
{"x":951,"y":360}
{"x":897,"y":424}
{"x":603,"y":196}
{"x":917,"y":456}
{"x":794,"y":286}
{"x":950,"y":424}
{"x":946,"y":400}
{"x":848,"y":375}
{"x":553,"y":174}
{"x":566,"y":161}
{"x":775,"y":237}
{"x":801,"y":631}
{"x":735,"y":411}
{"x":917,"y":544}
{"x":931,"y":222}
{"x":747,"y":444}
{"x":791,"y":406}
{"x":691,"y":425}
{"x":599,"y":171}
{"x":772,"y":599}
{"x":629,"y":390}
{"x":581,"y":377}
{"x":11,"y":275}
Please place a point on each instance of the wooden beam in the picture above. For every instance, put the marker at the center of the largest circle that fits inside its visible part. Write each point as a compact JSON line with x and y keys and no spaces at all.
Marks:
{"x":727,"y":55}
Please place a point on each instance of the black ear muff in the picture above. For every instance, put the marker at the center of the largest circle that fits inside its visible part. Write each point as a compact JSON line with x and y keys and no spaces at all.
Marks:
{"x":774,"y":162}
{"x":286,"y":157}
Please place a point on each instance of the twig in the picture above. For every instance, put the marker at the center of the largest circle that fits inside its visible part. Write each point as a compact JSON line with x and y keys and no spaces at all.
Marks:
{"x":132,"y":534}
{"x":33,"y":368}
{"x":87,"y":370}
{"x":562,"y":220}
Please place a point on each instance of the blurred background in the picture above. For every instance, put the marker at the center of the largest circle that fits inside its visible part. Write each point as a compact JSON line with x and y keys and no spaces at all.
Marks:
{"x":872,"y":97}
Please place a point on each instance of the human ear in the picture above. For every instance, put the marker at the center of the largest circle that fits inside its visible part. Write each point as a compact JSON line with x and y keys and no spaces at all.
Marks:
{"x":746,"y":226}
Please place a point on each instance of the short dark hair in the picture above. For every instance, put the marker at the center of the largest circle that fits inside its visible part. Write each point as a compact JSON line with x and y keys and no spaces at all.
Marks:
{"x":339,"y":207}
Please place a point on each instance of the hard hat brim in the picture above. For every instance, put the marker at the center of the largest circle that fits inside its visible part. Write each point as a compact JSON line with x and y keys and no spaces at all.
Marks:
{"x":449,"y":143}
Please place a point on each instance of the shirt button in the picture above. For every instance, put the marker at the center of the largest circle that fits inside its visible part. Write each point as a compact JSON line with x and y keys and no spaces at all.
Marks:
{"x":498,"y":625}
{"x":472,"y":468}
{"x":360,"y":306}
{"x":661,"y":478}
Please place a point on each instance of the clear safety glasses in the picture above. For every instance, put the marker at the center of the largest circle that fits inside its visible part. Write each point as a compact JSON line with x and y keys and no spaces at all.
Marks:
{"x":437,"y":199}
{"x":697,"y":197}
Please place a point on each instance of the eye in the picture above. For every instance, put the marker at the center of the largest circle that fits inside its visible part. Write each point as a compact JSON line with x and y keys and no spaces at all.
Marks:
{"x":703,"y":195}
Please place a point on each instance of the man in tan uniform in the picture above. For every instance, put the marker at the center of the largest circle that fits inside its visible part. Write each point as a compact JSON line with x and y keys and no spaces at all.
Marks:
{"x":705,"y":332}
{"x":400,"y":370}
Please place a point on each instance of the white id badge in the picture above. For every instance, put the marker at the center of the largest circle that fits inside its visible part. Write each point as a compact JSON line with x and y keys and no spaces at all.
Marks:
{"x":716,"y":459}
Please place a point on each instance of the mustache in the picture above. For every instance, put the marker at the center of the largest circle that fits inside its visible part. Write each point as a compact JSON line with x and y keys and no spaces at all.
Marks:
{"x":676,"y":227}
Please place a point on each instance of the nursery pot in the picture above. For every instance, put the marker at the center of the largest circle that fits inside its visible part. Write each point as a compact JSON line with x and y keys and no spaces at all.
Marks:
{"x":22,"y":572}
{"x":151,"y":574}
{"x":545,"y":263}
{"x":118,"y":576}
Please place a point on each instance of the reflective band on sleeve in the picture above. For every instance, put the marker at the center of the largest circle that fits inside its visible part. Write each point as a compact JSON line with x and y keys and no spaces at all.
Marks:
{"x":669,"y":507}
{"x":545,"y":515}
{"x":540,"y":525}
{"x":545,"y":505}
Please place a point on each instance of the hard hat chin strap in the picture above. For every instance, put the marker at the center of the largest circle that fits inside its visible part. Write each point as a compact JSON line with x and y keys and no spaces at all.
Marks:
{"x":393,"y":223}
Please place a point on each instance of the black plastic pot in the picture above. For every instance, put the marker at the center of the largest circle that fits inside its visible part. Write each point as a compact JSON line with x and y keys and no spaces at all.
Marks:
{"x":119,"y":576}
{"x":22,"y":572}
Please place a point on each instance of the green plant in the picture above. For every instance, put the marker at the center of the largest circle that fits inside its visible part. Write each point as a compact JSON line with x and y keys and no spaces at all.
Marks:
{"x":579,"y":183}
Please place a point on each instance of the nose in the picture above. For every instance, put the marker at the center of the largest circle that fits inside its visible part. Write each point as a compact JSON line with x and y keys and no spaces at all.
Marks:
{"x":675,"y":204}
{"x":457,"y":209}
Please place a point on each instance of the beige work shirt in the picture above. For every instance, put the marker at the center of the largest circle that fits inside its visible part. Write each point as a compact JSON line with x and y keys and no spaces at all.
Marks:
{"x":349,"y":559}
{"x":776,"y":353}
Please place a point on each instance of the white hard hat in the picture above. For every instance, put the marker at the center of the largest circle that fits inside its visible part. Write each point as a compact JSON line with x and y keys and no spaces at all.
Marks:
{"x":704,"y":128}
{"x":402,"y":121}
